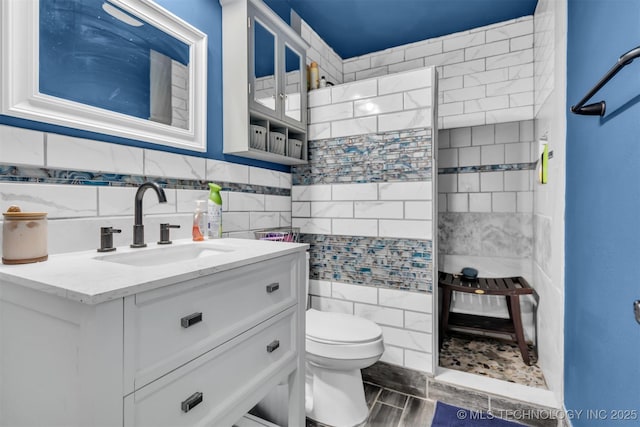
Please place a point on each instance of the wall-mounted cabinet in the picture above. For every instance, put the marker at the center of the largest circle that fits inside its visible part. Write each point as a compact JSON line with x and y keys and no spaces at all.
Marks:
{"x":264,"y":84}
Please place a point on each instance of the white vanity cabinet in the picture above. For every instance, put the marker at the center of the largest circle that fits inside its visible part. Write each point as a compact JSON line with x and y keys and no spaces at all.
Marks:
{"x":264,"y":84}
{"x":201,"y":351}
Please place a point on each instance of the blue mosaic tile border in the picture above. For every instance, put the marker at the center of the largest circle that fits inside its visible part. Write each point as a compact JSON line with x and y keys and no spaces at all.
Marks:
{"x":489,"y":168}
{"x":391,"y":156}
{"x":11,"y":173}
{"x":392,"y":263}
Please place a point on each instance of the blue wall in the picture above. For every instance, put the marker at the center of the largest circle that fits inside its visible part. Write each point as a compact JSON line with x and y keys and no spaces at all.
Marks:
{"x":206,"y":15}
{"x":602,"y":339}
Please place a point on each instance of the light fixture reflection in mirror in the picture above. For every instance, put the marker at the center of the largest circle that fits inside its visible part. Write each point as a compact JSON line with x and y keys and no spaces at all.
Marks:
{"x":127,"y":68}
{"x":120,"y":15}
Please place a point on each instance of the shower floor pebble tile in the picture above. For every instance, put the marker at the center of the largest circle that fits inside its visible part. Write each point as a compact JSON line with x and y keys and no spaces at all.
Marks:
{"x":491,"y":358}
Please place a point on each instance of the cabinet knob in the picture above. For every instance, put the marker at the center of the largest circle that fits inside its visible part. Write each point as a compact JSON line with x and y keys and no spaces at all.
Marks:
{"x":191,"y":402}
{"x":273,"y":346}
{"x":191,"y":320}
{"x":273,"y":287}
{"x":282,"y":96}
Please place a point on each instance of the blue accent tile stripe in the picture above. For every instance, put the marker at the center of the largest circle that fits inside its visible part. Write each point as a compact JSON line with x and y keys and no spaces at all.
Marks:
{"x":382,"y":157}
{"x":12,"y":173}
{"x":405,"y":264}
{"x":489,"y":168}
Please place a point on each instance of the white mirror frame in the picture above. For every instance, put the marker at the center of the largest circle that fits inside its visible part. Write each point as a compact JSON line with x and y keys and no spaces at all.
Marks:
{"x":19,"y":75}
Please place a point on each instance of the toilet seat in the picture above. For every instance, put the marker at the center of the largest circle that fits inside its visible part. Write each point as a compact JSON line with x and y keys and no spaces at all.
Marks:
{"x":324,"y":326}
{"x":342,"y":336}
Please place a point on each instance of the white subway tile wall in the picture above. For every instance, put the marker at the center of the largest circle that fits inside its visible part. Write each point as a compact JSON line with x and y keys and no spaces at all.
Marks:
{"x":329,"y":62}
{"x":163,"y":164}
{"x":486,"y":74}
{"x":394,"y":102}
{"x":21,"y":146}
{"x":368,"y":209}
{"x":76,"y":212}
{"x":486,"y":146}
{"x":218,"y":170}
{"x":88,"y":155}
{"x":405,"y":317}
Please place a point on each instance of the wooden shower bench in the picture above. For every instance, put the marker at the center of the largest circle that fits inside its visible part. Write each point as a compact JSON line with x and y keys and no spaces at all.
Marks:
{"x":510,"y":287}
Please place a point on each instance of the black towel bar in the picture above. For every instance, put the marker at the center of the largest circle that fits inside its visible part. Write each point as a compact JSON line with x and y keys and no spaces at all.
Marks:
{"x":598,"y":108}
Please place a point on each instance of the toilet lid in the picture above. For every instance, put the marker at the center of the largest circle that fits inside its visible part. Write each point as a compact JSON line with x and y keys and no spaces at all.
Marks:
{"x":339,"y":327}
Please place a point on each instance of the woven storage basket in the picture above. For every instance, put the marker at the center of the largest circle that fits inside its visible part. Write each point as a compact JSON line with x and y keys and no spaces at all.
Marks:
{"x":276,"y":143}
{"x":258,"y":137}
{"x":295,"y":148}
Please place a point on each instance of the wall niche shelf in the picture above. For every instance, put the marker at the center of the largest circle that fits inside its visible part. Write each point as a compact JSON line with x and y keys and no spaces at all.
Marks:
{"x":264,"y":85}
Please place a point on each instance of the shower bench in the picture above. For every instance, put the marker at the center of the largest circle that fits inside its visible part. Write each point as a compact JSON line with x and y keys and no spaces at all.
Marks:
{"x":510,"y":287}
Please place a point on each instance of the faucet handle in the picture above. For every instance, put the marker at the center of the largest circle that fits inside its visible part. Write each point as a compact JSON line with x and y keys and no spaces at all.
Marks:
{"x":106,"y":239}
{"x":164,"y":233}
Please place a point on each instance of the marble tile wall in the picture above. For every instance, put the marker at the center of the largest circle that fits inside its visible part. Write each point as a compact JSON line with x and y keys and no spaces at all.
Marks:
{"x":396,"y":102}
{"x":401,"y":210}
{"x":486,"y":74}
{"x":84,"y":185}
{"x":365,"y":205}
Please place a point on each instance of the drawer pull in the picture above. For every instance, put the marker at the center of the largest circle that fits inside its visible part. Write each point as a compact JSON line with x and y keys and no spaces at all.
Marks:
{"x":191,"y":320}
{"x":192,"y":401}
{"x":273,"y":287}
{"x":273,"y":346}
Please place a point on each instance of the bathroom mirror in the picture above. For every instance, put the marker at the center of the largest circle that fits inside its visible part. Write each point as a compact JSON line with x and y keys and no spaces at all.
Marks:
{"x":127,"y":68}
{"x":293,"y":68}
{"x":264,"y":52}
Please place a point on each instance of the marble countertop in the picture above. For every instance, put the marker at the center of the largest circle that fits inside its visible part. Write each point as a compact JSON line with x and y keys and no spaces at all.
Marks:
{"x":85,"y":277}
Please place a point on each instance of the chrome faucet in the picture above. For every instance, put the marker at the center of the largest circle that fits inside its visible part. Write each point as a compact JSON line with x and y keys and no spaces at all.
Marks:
{"x":138,"y":228}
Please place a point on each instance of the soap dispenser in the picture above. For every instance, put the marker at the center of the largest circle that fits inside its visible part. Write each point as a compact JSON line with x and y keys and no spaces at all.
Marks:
{"x":199,"y":230}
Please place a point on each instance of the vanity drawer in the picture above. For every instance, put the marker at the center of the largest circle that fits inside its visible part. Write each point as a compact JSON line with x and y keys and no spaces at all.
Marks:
{"x":215,"y":386}
{"x":170,"y":326}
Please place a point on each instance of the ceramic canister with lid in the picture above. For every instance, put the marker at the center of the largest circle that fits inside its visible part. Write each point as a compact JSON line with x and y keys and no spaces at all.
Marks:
{"x":24,"y":237}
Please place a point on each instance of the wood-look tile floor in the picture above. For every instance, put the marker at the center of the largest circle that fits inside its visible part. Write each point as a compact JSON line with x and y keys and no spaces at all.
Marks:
{"x":389,"y":408}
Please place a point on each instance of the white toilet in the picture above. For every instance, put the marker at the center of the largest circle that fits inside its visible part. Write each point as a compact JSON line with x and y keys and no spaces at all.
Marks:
{"x":338,"y":346}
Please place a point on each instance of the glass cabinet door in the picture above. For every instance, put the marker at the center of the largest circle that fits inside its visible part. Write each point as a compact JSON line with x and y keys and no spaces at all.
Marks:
{"x":293,"y":81}
{"x":264,"y":66}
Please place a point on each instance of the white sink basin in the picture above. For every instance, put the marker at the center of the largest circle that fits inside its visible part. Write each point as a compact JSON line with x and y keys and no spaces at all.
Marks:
{"x":165,"y":255}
